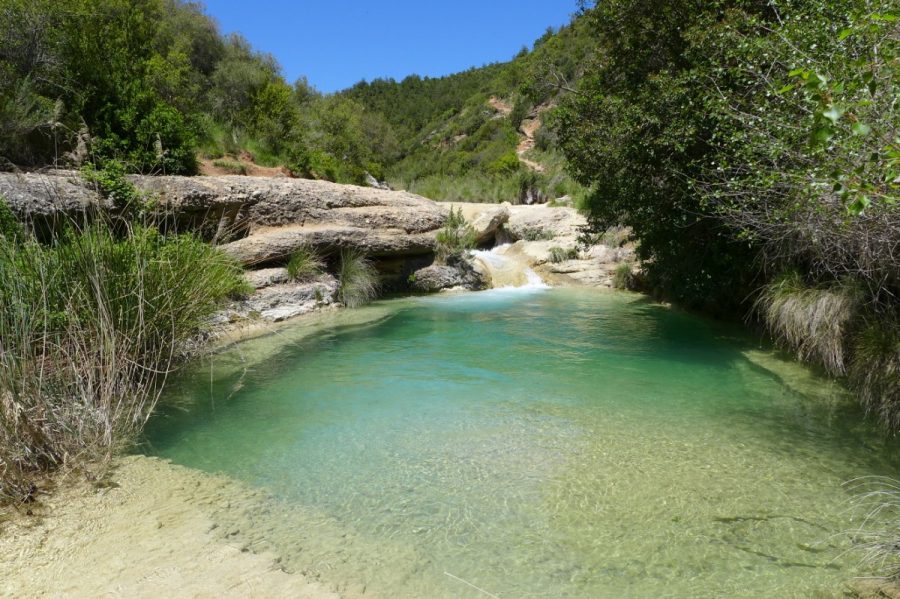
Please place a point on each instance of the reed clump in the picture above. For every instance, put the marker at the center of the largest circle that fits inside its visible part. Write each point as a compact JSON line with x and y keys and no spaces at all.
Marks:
{"x":305,"y":264}
{"x":90,"y":326}
{"x":357,"y":279}
{"x":835,"y":327}
{"x":816,"y":322}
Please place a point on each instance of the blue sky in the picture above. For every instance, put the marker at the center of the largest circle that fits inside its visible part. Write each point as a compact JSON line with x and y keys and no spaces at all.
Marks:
{"x":339,"y":42}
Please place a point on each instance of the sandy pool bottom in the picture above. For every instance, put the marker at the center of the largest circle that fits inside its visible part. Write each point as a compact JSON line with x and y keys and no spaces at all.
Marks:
{"x":148,"y":531}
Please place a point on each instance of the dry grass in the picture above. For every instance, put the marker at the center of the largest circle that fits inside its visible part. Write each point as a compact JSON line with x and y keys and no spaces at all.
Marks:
{"x":90,"y":326}
{"x":814,"y":322}
{"x":305,"y":264}
{"x":876,"y":538}
{"x":875,"y":369}
{"x":358,"y":279}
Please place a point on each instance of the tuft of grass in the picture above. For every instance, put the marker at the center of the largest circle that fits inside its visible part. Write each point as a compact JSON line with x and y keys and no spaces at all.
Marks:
{"x":877,"y":498}
{"x":558,"y":254}
{"x":305,"y":264}
{"x":90,"y":326}
{"x":456,"y":238}
{"x":615,"y":237}
{"x":815,"y":322}
{"x":623,"y":277}
{"x":358,"y":280}
{"x":874,"y":371}
{"x":537,"y":234}
{"x":232,"y":166}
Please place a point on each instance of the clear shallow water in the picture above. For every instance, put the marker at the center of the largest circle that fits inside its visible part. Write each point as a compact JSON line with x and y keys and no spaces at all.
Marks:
{"x":552,"y":443}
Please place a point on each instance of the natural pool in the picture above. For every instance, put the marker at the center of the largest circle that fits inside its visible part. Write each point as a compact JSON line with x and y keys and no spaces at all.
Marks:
{"x":543,"y":443}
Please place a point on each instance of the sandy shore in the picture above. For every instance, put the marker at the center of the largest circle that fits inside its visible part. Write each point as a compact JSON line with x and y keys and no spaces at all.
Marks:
{"x":147,"y":531}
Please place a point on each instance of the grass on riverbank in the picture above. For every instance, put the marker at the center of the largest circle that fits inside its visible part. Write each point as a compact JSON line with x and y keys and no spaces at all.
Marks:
{"x":358,"y":279}
{"x":90,"y":326}
{"x":834,"y":326}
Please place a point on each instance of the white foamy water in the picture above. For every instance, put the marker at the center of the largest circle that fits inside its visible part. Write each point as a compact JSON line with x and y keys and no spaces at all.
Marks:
{"x":507,"y":273}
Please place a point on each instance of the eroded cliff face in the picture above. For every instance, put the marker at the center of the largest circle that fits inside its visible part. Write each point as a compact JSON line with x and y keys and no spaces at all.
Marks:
{"x":256,"y":219}
{"x":263,"y":221}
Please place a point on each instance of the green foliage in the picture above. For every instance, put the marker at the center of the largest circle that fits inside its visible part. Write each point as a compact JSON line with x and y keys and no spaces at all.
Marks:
{"x":623,"y":277}
{"x":305,"y":264}
{"x":10,"y":228}
{"x":149,"y":85}
{"x":456,"y":238}
{"x":507,"y":163}
{"x":357,"y":279}
{"x":111,"y":183}
{"x":91,"y":324}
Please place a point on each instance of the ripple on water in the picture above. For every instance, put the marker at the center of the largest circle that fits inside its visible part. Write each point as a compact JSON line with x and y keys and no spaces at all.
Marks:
{"x":553,"y":443}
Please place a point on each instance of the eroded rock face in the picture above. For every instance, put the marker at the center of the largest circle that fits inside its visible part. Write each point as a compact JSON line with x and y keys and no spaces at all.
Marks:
{"x":279,"y":301}
{"x":49,"y":201}
{"x":272,"y":217}
{"x":486,"y":219}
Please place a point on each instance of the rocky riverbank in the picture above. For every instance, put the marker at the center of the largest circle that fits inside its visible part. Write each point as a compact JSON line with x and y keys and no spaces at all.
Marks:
{"x":262,"y":221}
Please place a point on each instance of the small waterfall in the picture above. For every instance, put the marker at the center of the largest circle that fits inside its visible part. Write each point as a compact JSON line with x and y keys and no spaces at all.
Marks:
{"x":506,"y":272}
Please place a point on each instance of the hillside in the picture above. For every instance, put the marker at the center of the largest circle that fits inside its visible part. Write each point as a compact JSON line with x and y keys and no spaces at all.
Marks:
{"x":485,"y":134}
{"x":156,"y":88}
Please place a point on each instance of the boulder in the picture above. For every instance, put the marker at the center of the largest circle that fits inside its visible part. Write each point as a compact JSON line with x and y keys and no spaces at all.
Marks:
{"x":266,"y":277}
{"x":48,"y":201}
{"x":544,"y":223}
{"x":461,"y":275}
{"x":487,"y":223}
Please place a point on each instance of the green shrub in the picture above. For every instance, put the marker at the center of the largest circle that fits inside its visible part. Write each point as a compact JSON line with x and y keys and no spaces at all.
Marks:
{"x":558,"y":254}
{"x":505,"y":164}
{"x":357,"y":279}
{"x":305,"y":264}
{"x":456,"y":238}
{"x":623,"y":277}
{"x":90,"y":327}
{"x":111,"y":183}
{"x":9,"y":224}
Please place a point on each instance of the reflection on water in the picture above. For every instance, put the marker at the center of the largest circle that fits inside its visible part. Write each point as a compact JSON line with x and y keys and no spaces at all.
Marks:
{"x":533,"y":444}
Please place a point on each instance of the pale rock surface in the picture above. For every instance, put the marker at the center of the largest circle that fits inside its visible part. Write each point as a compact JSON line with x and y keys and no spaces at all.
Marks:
{"x":266,"y":277}
{"x":279,"y":301}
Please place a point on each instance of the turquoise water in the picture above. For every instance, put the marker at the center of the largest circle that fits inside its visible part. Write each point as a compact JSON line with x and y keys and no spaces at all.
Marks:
{"x":532,"y":444}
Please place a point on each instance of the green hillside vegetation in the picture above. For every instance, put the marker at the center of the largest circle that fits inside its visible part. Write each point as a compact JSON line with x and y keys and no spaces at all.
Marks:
{"x":154,"y":86}
{"x":454,"y":145}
